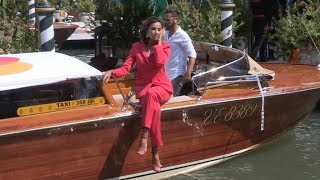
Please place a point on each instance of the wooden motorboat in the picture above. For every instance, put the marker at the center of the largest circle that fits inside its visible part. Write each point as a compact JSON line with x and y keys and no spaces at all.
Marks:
{"x":58,"y":121}
{"x":62,"y":32}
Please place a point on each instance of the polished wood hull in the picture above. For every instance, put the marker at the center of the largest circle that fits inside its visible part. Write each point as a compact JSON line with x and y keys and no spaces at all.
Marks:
{"x":101,"y":142}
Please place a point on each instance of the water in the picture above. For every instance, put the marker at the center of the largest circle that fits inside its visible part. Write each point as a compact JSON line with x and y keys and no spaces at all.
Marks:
{"x":294,"y":156}
{"x":84,"y":55}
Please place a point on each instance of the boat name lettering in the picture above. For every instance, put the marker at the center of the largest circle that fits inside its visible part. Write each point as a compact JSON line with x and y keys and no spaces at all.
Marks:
{"x":63,"y":104}
{"x":59,"y":106}
{"x":226,"y":114}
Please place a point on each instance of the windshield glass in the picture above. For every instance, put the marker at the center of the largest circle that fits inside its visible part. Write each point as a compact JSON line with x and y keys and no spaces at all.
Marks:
{"x":222,"y":61}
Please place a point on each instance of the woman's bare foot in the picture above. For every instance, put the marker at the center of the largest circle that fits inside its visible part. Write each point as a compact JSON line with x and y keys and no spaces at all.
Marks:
{"x":143,"y":141}
{"x":156,"y":160}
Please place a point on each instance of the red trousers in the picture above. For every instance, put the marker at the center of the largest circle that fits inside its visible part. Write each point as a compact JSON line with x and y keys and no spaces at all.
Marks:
{"x":151,"y":112}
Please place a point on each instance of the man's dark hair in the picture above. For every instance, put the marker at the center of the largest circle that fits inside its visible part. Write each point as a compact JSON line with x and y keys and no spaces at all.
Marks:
{"x":174,"y":11}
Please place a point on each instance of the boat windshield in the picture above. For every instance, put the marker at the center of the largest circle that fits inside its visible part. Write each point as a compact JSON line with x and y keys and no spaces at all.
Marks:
{"x":221,"y":62}
{"x":49,"y":98}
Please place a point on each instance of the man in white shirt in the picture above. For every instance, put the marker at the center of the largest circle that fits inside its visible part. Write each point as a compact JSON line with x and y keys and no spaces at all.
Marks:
{"x":183,"y":54}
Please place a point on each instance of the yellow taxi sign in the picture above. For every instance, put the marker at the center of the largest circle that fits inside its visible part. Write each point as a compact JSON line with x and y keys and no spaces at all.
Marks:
{"x":59,"y":106}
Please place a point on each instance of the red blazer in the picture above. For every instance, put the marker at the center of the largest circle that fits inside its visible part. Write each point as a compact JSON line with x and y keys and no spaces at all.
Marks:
{"x":150,"y":70}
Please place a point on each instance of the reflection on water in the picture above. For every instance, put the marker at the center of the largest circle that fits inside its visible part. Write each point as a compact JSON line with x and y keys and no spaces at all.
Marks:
{"x":294,"y":156}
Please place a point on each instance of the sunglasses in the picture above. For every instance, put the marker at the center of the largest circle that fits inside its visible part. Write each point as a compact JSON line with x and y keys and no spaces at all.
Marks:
{"x":169,"y":19}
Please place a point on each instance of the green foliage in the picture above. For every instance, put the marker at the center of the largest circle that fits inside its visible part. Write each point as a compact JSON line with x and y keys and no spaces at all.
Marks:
{"x":86,"y":6}
{"x":125,"y":16}
{"x":203,"y":23}
{"x":15,"y":33}
{"x":242,"y":17}
{"x":12,"y":8}
{"x":81,"y":5}
{"x":296,"y":30}
{"x":60,"y":4}
{"x":16,"y":37}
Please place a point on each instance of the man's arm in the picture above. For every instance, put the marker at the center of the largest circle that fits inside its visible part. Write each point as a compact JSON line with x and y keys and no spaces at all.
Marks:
{"x":191,"y":53}
{"x":190,"y":65}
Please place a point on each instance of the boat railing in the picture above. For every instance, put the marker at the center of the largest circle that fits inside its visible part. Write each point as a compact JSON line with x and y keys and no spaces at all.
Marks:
{"x":125,"y":98}
{"x":222,"y":81}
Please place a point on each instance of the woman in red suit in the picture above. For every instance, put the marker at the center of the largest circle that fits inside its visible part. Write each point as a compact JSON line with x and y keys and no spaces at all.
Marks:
{"x":152,"y":86}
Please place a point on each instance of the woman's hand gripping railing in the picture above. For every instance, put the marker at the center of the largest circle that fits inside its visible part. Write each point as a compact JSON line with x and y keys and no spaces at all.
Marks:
{"x":106,"y":78}
{"x":125,"y":99}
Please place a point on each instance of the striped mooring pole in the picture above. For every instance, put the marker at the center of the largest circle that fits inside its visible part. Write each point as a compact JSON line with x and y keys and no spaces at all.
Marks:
{"x":45,"y":11}
{"x":32,"y":11}
{"x":226,"y":7}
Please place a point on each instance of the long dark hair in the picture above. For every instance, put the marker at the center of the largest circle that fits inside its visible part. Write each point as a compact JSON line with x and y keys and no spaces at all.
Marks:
{"x":145,"y":26}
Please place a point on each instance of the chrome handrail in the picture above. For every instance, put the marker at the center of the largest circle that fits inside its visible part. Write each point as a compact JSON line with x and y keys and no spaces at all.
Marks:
{"x":233,"y":79}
